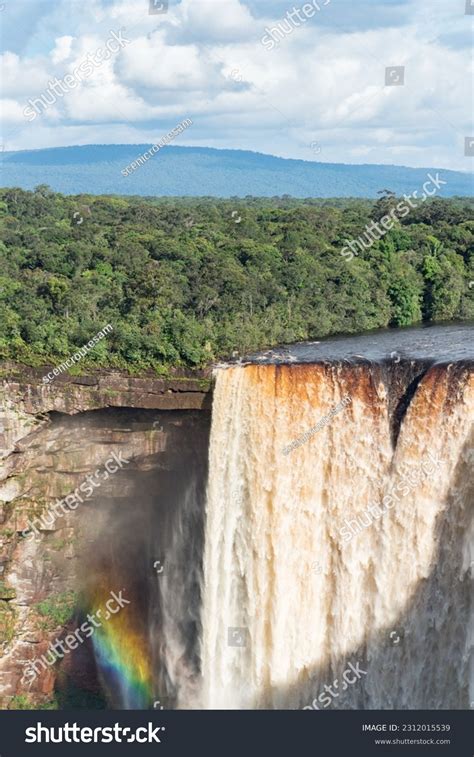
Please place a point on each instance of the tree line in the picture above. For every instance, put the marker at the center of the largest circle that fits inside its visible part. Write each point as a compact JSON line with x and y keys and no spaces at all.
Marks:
{"x":188,"y":281}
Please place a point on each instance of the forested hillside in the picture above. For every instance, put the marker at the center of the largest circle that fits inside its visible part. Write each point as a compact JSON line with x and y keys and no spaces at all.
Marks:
{"x":197,"y":171}
{"x":183,"y":282}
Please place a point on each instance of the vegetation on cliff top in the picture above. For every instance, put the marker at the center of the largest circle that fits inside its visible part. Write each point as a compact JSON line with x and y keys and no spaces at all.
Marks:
{"x":184,"y":282}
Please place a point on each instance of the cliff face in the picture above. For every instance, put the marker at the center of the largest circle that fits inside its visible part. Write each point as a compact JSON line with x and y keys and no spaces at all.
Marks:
{"x":119,"y":443}
{"x":337,"y":517}
{"x":183,"y":390}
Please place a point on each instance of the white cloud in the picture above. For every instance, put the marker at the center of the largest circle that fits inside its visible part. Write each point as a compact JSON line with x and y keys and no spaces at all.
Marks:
{"x":12,"y":112}
{"x":62,"y":49}
{"x":152,"y":64}
{"x":222,"y":21}
{"x":205,"y":61}
{"x":22,"y":76}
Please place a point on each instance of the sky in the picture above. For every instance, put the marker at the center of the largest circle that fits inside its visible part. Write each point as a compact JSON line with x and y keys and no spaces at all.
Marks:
{"x":357,"y":81}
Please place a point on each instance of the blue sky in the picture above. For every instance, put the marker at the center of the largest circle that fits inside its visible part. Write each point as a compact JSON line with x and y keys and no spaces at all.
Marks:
{"x":320,"y":93}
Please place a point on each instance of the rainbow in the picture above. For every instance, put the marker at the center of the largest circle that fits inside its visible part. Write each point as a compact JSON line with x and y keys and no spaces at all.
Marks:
{"x":121,"y":653}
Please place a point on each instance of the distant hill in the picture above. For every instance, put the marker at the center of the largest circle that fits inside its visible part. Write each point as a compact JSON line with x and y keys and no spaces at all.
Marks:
{"x":203,"y":171}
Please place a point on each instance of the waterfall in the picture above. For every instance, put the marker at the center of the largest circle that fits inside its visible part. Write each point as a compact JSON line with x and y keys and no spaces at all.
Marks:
{"x":147,"y":655}
{"x":179,"y":600}
{"x":330,"y":541}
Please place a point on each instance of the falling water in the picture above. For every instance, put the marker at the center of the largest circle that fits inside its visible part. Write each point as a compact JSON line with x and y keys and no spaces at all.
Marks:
{"x":176,"y":656}
{"x":288,"y":599}
{"x":146,"y":539}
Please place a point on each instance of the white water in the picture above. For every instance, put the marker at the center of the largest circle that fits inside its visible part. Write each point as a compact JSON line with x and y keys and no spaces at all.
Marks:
{"x":179,"y":596}
{"x":397,"y":598}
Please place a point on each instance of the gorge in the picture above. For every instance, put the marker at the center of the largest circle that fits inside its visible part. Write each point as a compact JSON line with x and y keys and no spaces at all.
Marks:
{"x":227,"y":539}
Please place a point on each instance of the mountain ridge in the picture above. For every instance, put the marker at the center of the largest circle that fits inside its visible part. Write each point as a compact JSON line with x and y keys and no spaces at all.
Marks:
{"x":208,"y":171}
